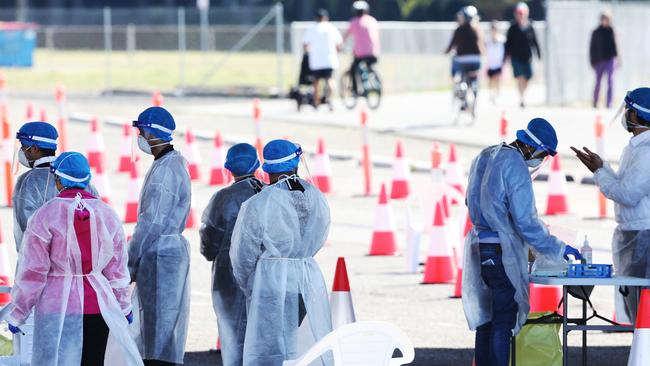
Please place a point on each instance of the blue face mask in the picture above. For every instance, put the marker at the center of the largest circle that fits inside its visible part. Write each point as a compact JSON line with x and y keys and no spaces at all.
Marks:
{"x":534,"y":163}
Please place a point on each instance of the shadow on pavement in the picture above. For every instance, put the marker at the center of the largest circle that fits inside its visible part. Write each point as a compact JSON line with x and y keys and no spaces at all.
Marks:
{"x":598,"y":356}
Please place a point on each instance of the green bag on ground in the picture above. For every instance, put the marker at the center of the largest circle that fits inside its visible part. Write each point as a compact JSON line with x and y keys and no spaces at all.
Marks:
{"x":539,"y":344}
{"x":6,"y":346}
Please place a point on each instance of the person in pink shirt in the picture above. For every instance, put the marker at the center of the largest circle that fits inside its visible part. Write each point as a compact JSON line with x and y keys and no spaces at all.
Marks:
{"x":364,"y":29}
{"x":72,"y":272}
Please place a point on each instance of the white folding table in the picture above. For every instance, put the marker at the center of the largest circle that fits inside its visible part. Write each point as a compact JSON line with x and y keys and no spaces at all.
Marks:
{"x":580,"y":324}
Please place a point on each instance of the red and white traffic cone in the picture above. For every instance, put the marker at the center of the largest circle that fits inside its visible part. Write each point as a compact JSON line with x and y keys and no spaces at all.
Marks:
{"x":218,"y":174}
{"x":157,"y":99}
{"x":100,"y":181}
{"x":458,"y":287}
{"x":399,"y":187}
{"x":640,"y":352}
{"x":29,"y":112}
{"x":557,"y":190}
{"x":439,"y":267}
{"x":454,"y":175}
{"x":7,"y":143}
{"x":437,"y":175}
{"x":59,"y":96}
{"x":133,"y":195}
{"x":366,"y":162}
{"x":383,"y":236}
{"x":96,"y":145}
{"x":43,"y":115}
{"x":322,"y":168}
{"x":192,"y":155}
{"x":602,"y":152}
{"x":6,"y":273}
{"x":125,"y":149}
{"x":341,"y":297}
{"x":259,"y":143}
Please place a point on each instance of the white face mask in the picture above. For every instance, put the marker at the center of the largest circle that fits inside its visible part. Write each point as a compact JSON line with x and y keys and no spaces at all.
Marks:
{"x":534,"y":163}
{"x":144,"y":145}
{"x":22,"y":158}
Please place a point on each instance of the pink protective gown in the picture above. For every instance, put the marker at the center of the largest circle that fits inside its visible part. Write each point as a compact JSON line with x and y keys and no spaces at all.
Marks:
{"x":50,"y":280}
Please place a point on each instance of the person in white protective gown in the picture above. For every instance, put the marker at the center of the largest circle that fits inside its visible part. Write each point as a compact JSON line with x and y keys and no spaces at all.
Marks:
{"x":159,"y":254}
{"x":629,"y":188}
{"x":277,"y":234}
{"x":217,"y":223}
{"x":501,"y":206}
{"x":36,"y":186}
{"x":73,"y":274}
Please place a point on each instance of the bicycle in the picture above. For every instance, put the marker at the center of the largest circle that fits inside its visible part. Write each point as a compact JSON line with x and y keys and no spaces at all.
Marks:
{"x":464,"y":96}
{"x":368,"y":86}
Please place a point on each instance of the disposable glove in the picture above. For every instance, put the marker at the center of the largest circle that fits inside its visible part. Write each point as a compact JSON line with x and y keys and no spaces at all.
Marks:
{"x":14,"y":330}
{"x":569,"y":250}
{"x":129,"y":317}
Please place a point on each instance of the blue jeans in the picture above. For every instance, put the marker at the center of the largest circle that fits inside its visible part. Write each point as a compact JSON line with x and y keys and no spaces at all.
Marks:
{"x":492,"y":347}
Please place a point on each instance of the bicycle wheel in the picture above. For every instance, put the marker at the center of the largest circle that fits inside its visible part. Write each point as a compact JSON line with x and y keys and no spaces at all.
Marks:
{"x":348,"y":98}
{"x":373,"y":93}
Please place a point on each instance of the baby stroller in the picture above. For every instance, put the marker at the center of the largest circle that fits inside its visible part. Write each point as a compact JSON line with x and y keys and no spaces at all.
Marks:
{"x":303,"y":93}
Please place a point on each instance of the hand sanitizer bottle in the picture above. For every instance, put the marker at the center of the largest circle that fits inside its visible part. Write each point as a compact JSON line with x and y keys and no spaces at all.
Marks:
{"x":586,"y":251}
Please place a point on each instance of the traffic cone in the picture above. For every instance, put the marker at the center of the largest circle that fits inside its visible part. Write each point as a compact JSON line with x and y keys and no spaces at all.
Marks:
{"x":6,"y":272}
{"x":322,"y":168}
{"x":44,"y":115}
{"x":157,"y":99}
{"x":600,"y":150}
{"x":557,"y":190}
{"x":399,"y":187}
{"x":458,"y":287}
{"x":96,"y":145}
{"x":218,"y":174}
{"x":341,"y":297}
{"x":133,"y":195}
{"x":29,"y":112}
{"x":192,"y":155}
{"x":100,"y":181}
{"x":437,"y":175}
{"x":640,"y":352}
{"x":7,"y":156}
{"x":125,"y":149}
{"x":545,"y":298}
{"x":191,"y":217}
{"x":439,"y":267}
{"x":454,"y":175}
{"x":383,"y":236}
{"x":59,"y":96}
{"x":503,"y":127}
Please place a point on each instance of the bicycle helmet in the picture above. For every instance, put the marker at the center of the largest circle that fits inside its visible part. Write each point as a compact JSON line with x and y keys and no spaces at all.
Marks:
{"x":360,"y":6}
{"x":468,"y":13}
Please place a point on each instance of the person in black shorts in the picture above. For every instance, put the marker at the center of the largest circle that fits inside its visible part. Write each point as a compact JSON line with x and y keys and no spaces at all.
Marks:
{"x":520,"y":42}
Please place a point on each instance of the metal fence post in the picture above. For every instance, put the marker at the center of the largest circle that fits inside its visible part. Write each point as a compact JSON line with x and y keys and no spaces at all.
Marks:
{"x":130,"y":42}
{"x":182,"y":46}
{"x":279,"y":44}
{"x":204,"y":11}
{"x":108,"y":46}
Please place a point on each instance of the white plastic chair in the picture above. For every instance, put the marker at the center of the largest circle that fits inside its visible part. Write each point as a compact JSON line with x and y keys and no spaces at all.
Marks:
{"x":361,"y":344}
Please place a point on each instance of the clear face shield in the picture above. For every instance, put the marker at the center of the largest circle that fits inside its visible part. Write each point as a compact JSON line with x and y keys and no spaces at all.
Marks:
{"x":19,"y":156}
{"x":142,"y":142}
{"x":622,"y":114}
{"x":539,"y":158}
{"x":303,"y":161}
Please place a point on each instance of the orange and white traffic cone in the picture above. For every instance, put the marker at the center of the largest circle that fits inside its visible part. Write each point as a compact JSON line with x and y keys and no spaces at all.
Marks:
{"x":59,"y":96}
{"x":191,"y":217}
{"x":157,"y":99}
{"x":557,"y":190}
{"x":259,"y":144}
{"x":43,"y":115}
{"x":125,"y":149}
{"x":439,"y":267}
{"x":458,"y":287}
{"x":133,"y":195}
{"x":602,"y":152}
{"x":544,"y":298}
{"x":192,"y":155}
{"x":218,"y":174}
{"x":437,"y":175}
{"x":640,"y":351}
{"x":96,"y":145}
{"x":341,"y":297}
{"x":100,"y":181}
{"x":383,"y":236}
{"x":6,"y":272}
{"x":322,"y":168}
{"x":399,"y":187}
{"x":503,"y":127}
{"x":454,"y":175}
{"x":7,"y":155}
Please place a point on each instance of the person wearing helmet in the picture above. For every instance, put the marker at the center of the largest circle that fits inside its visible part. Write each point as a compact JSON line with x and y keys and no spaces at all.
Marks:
{"x":277,"y":234}
{"x":520,"y":42}
{"x":629,"y":189}
{"x":502,"y":209}
{"x":364,"y":29}
{"x":467,"y":42}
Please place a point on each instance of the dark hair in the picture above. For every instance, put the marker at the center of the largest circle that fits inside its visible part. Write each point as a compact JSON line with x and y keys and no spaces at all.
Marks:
{"x":321,"y":14}
{"x":47,"y":152}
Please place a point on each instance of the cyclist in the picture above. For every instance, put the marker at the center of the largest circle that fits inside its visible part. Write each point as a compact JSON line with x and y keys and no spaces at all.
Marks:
{"x":364,"y":28}
{"x":467,"y":42}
